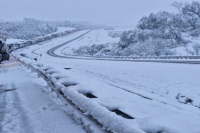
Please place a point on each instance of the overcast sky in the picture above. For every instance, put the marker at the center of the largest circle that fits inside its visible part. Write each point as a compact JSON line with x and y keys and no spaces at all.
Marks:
{"x":95,"y":11}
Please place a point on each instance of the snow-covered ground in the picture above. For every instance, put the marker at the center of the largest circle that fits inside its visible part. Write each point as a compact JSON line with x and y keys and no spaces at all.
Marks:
{"x":25,"y":107}
{"x":94,"y":37}
{"x":149,"y":92}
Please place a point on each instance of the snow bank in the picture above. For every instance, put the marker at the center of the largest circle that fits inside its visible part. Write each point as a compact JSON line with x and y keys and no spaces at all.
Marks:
{"x":110,"y":121}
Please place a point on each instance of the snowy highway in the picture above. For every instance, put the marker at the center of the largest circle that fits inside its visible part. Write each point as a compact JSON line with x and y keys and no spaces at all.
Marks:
{"x":150,"y":97}
{"x":26,"y":107}
{"x":100,"y":66}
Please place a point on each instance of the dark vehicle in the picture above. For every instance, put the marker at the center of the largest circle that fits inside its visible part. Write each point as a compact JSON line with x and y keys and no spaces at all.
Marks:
{"x":4,"y":49}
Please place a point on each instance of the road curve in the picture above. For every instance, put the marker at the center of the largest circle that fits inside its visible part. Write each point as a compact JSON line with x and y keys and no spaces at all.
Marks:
{"x":51,"y":52}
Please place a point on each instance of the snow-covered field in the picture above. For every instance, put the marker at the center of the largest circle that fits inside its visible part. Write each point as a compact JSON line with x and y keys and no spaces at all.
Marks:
{"x":149,"y":92}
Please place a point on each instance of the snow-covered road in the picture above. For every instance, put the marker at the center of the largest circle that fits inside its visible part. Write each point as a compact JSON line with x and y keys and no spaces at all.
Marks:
{"x":25,"y":107}
{"x":148,"y":92}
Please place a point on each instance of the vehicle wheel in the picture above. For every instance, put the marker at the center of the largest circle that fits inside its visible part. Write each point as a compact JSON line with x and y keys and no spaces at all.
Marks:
{"x":3,"y":57}
{"x":7,"y":56}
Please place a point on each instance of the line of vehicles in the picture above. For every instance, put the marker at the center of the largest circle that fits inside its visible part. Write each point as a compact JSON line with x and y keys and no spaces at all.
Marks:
{"x":42,"y":39}
{"x":6,"y":48}
{"x":48,"y":37}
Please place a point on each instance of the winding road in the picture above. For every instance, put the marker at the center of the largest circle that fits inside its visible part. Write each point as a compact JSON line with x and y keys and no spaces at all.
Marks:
{"x":51,"y":52}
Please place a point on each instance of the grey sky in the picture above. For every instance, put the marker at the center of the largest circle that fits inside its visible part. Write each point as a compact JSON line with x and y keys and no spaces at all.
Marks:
{"x":95,"y":11}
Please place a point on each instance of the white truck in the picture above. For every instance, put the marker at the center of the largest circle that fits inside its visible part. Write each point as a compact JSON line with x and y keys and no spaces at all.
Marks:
{"x":4,"y":49}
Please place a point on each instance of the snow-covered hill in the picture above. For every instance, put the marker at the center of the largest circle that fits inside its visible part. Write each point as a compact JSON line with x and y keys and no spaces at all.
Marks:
{"x":28,"y":28}
{"x":158,"y":34}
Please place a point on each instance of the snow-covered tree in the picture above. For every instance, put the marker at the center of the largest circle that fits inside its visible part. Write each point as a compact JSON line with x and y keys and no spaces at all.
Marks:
{"x":191,"y":13}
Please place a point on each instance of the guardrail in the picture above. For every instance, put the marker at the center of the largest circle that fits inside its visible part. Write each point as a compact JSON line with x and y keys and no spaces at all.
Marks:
{"x":136,"y":57}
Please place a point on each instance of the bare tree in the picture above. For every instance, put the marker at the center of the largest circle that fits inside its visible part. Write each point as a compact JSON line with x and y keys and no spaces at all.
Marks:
{"x":196,"y":48}
{"x":189,"y":51}
{"x":178,"y":5}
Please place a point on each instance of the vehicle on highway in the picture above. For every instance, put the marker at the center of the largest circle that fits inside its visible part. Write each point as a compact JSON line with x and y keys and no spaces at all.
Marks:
{"x":4,"y":49}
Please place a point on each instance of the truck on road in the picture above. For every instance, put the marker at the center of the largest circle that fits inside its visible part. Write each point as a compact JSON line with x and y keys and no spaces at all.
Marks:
{"x":4,"y":49}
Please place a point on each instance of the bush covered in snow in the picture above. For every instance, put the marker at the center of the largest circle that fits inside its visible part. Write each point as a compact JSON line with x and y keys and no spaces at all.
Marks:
{"x":114,"y":49}
{"x":90,"y":50}
{"x":115,"y":34}
{"x":187,"y":20}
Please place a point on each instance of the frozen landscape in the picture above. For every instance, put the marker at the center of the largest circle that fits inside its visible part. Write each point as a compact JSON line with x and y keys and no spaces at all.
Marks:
{"x":78,"y":77}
